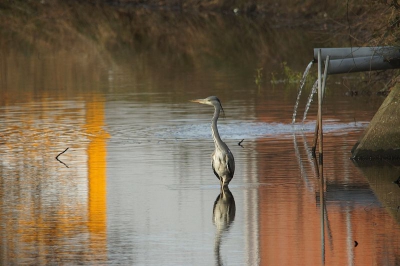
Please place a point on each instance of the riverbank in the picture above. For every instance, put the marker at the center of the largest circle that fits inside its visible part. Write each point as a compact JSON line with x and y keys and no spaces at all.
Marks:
{"x":358,"y":19}
{"x":191,"y":34}
{"x":37,"y":23}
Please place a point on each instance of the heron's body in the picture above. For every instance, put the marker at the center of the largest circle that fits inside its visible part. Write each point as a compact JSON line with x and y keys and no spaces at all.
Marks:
{"x":223,"y":162}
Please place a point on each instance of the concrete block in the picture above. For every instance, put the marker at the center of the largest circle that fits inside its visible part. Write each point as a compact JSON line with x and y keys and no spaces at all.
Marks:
{"x":381,"y":139}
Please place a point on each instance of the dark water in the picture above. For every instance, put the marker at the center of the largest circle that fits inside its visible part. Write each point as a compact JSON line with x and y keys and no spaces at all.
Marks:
{"x":135,"y":186}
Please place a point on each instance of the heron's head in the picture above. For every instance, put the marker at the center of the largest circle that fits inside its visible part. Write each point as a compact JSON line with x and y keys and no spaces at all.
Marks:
{"x":212,"y":100}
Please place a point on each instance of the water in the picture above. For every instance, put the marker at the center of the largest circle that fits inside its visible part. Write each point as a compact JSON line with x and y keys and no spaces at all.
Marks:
{"x":310,"y":99}
{"x":302,"y":82}
{"x":136,"y":186}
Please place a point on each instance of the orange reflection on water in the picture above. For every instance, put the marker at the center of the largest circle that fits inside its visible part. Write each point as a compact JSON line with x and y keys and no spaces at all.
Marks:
{"x":358,"y":230}
{"x":97,"y":174}
{"x":47,"y":207}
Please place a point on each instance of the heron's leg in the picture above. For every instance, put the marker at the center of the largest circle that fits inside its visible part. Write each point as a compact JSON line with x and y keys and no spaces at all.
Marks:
{"x":223,"y":192}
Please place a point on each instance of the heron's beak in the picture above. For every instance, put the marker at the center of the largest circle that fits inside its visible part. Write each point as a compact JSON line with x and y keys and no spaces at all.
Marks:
{"x":198,"y":101}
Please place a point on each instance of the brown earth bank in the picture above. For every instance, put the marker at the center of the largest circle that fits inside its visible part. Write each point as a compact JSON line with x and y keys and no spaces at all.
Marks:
{"x":195,"y":32}
{"x":361,"y":22}
{"x":372,"y":15}
{"x":364,"y":19}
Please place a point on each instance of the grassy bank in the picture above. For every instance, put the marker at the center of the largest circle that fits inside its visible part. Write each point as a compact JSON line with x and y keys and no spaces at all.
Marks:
{"x":192,"y":34}
{"x":371,"y":23}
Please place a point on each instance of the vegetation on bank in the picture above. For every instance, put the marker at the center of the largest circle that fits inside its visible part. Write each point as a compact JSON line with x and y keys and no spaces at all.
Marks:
{"x":195,"y":32}
{"x":361,"y":22}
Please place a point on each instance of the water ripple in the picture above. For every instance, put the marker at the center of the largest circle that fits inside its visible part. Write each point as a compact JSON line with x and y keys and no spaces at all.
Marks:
{"x":240,"y":130}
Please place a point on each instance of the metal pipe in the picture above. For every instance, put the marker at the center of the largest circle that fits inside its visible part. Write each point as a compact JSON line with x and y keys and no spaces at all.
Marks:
{"x":323,"y":93}
{"x":349,"y":65}
{"x":327,"y":64}
{"x":320,"y":149}
{"x":356,"y":59}
{"x":387,"y":52}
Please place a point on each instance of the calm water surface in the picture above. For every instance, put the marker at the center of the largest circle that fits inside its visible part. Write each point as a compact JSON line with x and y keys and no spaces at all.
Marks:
{"x":135,"y":186}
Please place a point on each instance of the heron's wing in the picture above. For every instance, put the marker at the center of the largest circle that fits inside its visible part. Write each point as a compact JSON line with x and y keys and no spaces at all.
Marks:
{"x":230,"y":164}
{"x":215,"y":172}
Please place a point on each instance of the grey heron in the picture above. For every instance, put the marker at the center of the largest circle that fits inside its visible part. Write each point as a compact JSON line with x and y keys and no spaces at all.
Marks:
{"x":223,"y":162}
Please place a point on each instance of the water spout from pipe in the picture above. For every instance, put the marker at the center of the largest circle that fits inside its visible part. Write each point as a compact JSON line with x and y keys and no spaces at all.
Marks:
{"x":310,"y":99}
{"x":302,"y":82}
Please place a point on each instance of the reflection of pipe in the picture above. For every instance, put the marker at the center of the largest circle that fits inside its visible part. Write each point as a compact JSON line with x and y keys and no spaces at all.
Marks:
{"x":349,"y":237}
{"x":356,"y":59}
{"x":303,"y":172}
{"x":320,"y":148}
{"x":322,"y":207}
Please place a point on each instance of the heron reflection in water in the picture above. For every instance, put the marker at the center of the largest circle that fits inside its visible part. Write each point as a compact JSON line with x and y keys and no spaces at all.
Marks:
{"x":224,"y":211}
{"x":223,"y":163}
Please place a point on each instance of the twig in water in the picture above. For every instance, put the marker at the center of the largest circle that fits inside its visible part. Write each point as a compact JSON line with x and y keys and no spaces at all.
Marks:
{"x":240,"y":143}
{"x":60,"y":160}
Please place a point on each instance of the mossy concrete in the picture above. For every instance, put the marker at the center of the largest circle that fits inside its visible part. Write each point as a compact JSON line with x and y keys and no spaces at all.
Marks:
{"x":381,"y":138}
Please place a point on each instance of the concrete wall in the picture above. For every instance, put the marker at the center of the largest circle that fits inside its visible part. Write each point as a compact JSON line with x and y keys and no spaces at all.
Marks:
{"x":381,"y":138}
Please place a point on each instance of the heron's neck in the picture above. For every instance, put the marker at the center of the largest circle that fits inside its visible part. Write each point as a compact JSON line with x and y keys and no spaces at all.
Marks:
{"x":214,"y":129}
